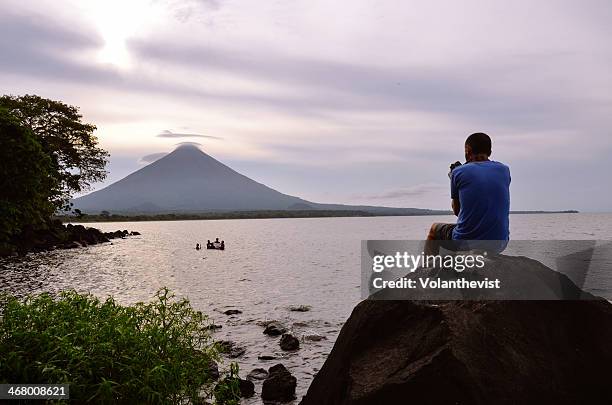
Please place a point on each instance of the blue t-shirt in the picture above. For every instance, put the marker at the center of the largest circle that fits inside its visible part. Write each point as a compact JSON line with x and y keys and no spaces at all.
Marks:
{"x":483,"y":190}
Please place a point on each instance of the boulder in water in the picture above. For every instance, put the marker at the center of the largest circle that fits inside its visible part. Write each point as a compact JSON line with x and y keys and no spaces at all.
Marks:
{"x":300,"y":308}
{"x":279,"y":386}
{"x":288,"y":342}
{"x":247,"y":388}
{"x":274,"y":329}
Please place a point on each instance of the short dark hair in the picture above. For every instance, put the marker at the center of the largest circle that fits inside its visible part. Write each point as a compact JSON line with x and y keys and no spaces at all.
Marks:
{"x":480,"y":143}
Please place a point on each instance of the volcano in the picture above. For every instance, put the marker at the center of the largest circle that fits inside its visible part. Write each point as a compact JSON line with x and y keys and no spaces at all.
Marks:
{"x":187,"y":180}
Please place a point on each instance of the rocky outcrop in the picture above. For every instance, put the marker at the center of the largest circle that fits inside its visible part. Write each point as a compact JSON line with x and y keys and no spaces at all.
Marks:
{"x":471,"y":352}
{"x":58,"y":236}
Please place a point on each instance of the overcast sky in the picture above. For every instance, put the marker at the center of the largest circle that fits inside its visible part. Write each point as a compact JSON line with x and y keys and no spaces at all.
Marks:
{"x":335,"y":101}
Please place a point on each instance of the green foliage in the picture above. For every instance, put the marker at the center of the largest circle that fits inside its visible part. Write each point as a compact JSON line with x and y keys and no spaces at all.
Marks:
{"x":70,"y":143}
{"x":158,"y":352}
{"x":228,"y":391}
{"x":26,"y":180}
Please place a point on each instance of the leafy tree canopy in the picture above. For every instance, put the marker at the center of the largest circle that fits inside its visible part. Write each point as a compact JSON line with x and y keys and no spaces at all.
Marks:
{"x":26,"y":179}
{"x":69,"y":142}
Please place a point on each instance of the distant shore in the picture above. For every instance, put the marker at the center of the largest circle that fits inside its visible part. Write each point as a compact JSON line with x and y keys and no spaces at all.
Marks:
{"x":259,"y":215}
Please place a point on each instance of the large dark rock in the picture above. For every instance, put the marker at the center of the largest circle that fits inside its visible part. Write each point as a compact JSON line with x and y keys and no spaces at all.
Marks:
{"x":247,"y":388}
{"x":288,"y":342}
{"x":471,"y":352}
{"x":279,"y":386}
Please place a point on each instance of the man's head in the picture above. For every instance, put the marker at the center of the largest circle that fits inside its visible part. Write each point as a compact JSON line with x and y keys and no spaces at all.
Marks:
{"x":477,"y":147}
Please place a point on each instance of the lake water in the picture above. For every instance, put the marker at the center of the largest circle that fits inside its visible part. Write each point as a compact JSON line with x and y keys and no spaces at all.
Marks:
{"x":268,"y":266}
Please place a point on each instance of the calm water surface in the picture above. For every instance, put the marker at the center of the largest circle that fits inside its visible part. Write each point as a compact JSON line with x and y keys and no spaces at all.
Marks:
{"x":268,"y":266}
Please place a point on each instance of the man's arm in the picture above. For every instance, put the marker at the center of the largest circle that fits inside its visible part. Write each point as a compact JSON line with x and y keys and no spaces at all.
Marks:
{"x":456,"y":206}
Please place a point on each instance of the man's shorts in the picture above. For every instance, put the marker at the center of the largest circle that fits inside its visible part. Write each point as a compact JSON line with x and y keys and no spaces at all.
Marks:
{"x":444,"y":234}
{"x":441,"y":232}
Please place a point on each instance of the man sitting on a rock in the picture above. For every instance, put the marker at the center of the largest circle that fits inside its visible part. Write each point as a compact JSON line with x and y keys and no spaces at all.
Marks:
{"x":480,"y":192}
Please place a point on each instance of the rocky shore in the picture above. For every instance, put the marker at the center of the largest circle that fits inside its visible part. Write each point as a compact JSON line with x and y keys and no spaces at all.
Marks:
{"x":276,"y":384}
{"x":472,"y":352}
{"x":59,"y":236}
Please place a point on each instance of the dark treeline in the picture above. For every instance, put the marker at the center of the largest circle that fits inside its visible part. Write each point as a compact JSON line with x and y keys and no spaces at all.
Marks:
{"x":261,"y":214}
{"x":214,"y":215}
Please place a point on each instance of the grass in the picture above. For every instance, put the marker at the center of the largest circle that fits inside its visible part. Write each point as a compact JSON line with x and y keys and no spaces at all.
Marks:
{"x":158,"y":352}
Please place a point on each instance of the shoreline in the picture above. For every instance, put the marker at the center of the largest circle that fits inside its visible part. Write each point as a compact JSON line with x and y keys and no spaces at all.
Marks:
{"x":87,"y":218}
{"x":56,"y":235}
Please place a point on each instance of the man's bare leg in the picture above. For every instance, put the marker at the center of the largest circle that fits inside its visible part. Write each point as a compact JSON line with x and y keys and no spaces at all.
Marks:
{"x":432,"y":245}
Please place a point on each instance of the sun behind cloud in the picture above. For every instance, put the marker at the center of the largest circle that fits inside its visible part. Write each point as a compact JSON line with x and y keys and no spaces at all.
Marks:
{"x":117,"y":21}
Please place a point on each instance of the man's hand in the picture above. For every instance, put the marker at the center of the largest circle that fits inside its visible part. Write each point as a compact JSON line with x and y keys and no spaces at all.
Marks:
{"x":456,"y":206}
{"x":452,"y":167}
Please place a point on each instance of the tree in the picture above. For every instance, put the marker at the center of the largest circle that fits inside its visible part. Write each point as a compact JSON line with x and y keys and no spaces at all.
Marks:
{"x":75,"y":155}
{"x":26,"y":179}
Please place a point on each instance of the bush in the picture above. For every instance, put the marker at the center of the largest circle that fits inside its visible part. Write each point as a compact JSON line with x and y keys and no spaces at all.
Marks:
{"x":157,"y":352}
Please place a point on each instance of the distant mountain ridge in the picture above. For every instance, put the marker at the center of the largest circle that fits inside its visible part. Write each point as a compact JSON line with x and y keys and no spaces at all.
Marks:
{"x":188,"y":180}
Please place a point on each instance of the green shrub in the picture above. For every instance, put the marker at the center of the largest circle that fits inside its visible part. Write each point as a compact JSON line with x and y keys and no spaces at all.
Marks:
{"x":228,"y":390}
{"x":157,"y":352}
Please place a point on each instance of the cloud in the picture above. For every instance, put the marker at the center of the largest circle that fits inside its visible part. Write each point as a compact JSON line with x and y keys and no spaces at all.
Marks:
{"x":185,"y":10}
{"x":313,"y":86}
{"x":407,"y":192}
{"x":475,"y":91}
{"x":169,"y":134}
{"x":178,"y":145}
{"x":156,"y":156}
{"x":152,"y":157}
{"x":385,"y":93}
